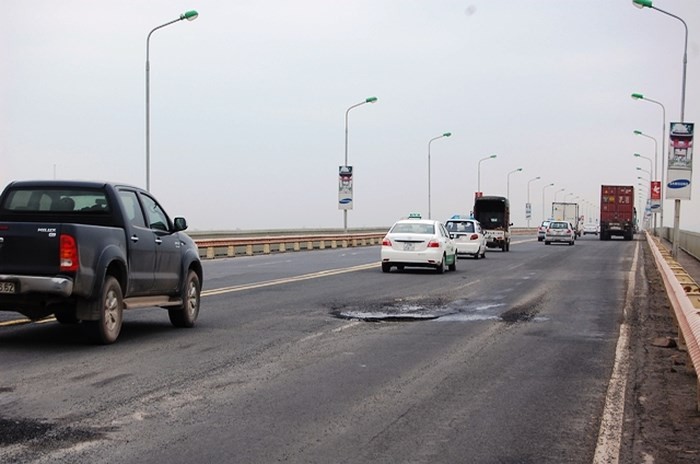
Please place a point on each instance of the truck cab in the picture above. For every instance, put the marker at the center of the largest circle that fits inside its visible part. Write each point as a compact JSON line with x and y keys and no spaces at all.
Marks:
{"x":493,"y":212}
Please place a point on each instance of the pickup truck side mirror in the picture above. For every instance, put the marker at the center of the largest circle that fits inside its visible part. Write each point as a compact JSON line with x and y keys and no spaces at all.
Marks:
{"x":180,"y":224}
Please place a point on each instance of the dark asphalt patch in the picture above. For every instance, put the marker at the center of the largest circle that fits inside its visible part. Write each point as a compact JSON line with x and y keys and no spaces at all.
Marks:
{"x":38,"y":435}
{"x":461,"y":310}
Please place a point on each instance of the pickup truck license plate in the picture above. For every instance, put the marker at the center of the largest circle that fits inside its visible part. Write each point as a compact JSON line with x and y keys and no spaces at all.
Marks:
{"x":7,"y":287}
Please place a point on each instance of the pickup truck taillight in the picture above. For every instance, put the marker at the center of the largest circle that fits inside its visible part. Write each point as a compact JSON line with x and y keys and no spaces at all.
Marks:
{"x":68,"y":253}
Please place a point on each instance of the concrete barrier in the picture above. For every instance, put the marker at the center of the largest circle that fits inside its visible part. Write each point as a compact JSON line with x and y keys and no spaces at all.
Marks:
{"x":684,"y":296}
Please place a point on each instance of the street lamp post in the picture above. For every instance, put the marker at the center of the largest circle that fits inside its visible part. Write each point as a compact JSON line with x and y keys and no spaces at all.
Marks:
{"x":639,"y":96}
{"x":508,"y":181}
{"x":190,"y":16}
{"x":656,"y":162}
{"x":555,"y":194}
{"x":677,"y":201}
{"x":446,"y":134}
{"x":543,"y":189}
{"x":529,"y":205}
{"x":651,"y":162}
{"x":367,"y":100}
{"x":478,"y":173}
{"x":644,"y":170}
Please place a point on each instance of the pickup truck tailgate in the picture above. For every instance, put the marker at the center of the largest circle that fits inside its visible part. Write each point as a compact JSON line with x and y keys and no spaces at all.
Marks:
{"x":29,"y":247}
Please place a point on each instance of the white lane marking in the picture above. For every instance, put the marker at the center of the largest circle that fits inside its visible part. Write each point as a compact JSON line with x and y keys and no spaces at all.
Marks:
{"x":610,"y":435}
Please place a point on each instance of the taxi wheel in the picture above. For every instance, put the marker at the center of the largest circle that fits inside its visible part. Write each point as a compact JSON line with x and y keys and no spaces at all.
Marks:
{"x":453,"y":266}
{"x":386,"y":267}
{"x":440,"y":268}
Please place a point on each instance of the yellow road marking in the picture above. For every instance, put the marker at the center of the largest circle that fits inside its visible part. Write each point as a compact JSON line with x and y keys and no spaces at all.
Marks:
{"x":285,"y":280}
{"x":236,"y":288}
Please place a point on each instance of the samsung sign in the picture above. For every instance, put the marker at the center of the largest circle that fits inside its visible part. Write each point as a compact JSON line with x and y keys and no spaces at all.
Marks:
{"x":679,"y":183}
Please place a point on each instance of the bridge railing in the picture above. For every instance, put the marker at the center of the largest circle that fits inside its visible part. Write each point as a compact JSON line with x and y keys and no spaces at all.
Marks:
{"x":687,"y":241}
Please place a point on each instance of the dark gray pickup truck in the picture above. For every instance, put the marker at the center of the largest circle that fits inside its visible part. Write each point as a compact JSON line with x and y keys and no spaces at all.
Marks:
{"x":86,"y":251}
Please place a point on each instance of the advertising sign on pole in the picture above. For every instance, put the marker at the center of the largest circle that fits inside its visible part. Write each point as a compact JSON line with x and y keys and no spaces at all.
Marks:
{"x":528,"y":211}
{"x":344,"y":187}
{"x":680,"y":161}
{"x":655,"y":189}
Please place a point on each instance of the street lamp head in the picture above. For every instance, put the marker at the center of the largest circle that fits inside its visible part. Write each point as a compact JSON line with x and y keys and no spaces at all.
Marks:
{"x":638,"y":132}
{"x":447,"y":134}
{"x":637,"y":96}
{"x":637,"y":155}
{"x":492,"y":156}
{"x":370,"y":99}
{"x":519,"y":169}
{"x":642,"y":3}
{"x":189,"y":15}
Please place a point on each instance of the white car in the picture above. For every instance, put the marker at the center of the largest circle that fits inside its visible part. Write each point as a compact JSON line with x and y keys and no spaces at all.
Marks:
{"x":467,"y":235}
{"x":559,"y":231}
{"x":590,"y":228}
{"x":418,"y":243}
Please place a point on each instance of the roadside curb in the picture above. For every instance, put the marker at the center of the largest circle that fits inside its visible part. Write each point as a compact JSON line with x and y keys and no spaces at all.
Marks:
{"x":684,"y":295}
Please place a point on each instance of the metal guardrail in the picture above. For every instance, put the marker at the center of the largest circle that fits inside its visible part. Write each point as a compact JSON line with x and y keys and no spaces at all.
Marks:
{"x":252,"y":245}
{"x":231,"y":244}
{"x":684,"y":294}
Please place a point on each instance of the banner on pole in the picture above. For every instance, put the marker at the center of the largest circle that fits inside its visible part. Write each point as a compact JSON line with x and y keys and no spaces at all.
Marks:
{"x":680,"y":161}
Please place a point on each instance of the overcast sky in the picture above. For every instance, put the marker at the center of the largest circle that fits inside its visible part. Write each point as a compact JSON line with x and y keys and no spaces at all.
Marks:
{"x":248,"y":102}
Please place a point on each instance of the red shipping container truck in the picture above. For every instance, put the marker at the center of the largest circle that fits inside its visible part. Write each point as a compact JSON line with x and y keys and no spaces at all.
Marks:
{"x":618,"y":215}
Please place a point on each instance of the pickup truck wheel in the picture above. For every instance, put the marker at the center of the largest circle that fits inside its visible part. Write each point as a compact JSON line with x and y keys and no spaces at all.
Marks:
{"x":106,"y":329}
{"x":66,"y":316}
{"x":186,"y":315}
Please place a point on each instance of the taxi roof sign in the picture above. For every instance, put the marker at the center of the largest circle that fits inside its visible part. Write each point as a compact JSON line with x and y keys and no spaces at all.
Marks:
{"x":414,"y":216}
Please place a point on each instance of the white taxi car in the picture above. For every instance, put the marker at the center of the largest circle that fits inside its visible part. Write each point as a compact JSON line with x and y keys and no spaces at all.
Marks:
{"x":468,"y":236}
{"x":416,"y":242}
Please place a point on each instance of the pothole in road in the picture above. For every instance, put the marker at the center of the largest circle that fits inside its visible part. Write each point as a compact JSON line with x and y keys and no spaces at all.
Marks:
{"x":438,"y":310}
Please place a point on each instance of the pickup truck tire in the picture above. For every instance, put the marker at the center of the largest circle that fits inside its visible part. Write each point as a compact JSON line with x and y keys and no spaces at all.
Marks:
{"x":186,"y":315}
{"x":66,"y":316}
{"x":110,"y":303}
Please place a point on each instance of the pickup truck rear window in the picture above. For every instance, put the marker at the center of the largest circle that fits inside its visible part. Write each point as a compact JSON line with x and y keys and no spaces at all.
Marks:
{"x":80,"y":201}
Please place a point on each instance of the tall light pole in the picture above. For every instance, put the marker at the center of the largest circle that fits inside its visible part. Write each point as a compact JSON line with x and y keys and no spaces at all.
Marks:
{"x":478,"y":173}
{"x":528,"y":207}
{"x":446,"y":134}
{"x":367,"y":100}
{"x":190,"y":16}
{"x":656,"y":163}
{"x":543,"y":189}
{"x":639,"y":96}
{"x":555,"y":194}
{"x":651,"y":162}
{"x":644,"y":170}
{"x":508,"y":181}
{"x":656,"y":151}
{"x":677,"y":201}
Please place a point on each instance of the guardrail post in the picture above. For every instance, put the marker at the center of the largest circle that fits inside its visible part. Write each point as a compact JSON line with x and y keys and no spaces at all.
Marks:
{"x":283,"y":247}
{"x":322,"y":245}
{"x":296,"y":246}
{"x":231,"y":251}
{"x":309,"y":245}
{"x":210,"y":252}
{"x":266,"y":248}
{"x":249,"y":250}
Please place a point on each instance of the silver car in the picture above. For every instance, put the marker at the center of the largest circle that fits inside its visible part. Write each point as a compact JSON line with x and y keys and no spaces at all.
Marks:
{"x":541,"y":229}
{"x":559,"y":231}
